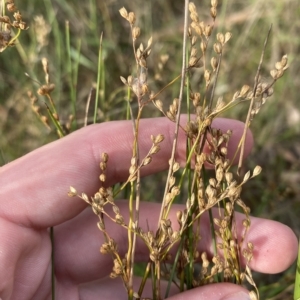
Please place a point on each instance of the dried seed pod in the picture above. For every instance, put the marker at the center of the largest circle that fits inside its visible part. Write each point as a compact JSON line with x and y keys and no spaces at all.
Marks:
{"x":280,"y":73}
{"x":119,"y":219}
{"x":133,"y":161}
{"x":172,"y":181}
{"x":244,"y":90}
{"x":198,"y":30}
{"x":72,"y":192}
{"x":193,"y":61}
{"x":18,"y":17}
{"x":104,"y":157}
{"x":101,"y":227}
{"x":158,"y":104}
{"x":149,"y":42}
{"x":214,"y":3}
{"x":85,"y":197}
{"x":220,"y":104}
{"x":224,"y":151}
{"x":130,"y":80}
{"x":284,"y":61}
{"x":11,"y":7}
{"x":217,"y":222}
{"x":219,"y":174}
{"x":221,"y":38}
{"x":208,"y":30}
{"x":179,"y":216}
{"x":175,"y":191}
{"x":212,"y":182}
{"x":250,"y":246}
{"x":131,"y":18}
{"x":257,"y":170}
{"x":136,"y":31}
{"x":194,"y":17}
{"x":228,"y":36}
{"x":274,"y":74}
{"x":132,"y":170}
{"x":123,"y":80}
{"x":278,"y":65}
{"x":213,"y":12}
{"x":145,"y":89}
{"x":175,"y":167}
{"x":154,"y":149}
{"x":171,"y":117}
{"x":147,"y":160}
{"x":228,"y":177}
{"x":207,"y":75}
{"x":214,"y":63}
{"x":159,"y":139}
{"x":5,"y":19}
{"x":194,"y":40}
{"x":236,"y":95}
{"x":192,"y":7}
{"x":194,"y":51}
{"x":218,"y":48}
{"x":102,"y":177}
{"x":203,"y":47}
{"x":123,"y":12}
{"x":142,"y":62}
{"x":23,"y":25}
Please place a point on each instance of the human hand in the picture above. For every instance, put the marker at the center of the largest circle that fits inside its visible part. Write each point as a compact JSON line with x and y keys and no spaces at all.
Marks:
{"x":33,"y":198}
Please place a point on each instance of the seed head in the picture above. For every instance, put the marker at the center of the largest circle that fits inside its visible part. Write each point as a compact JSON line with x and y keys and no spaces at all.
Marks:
{"x":218,"y":48}
{"x":131,"y":18}
{"x":123,"y":12}
{"x":72,"y":192}
{"x":136,"y":31}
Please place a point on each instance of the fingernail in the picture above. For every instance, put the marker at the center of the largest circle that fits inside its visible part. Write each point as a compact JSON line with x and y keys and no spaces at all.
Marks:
{"x":237,"y":296}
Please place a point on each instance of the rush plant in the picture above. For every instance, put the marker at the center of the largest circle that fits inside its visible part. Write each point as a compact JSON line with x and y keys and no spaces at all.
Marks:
{"x":173,"y":246}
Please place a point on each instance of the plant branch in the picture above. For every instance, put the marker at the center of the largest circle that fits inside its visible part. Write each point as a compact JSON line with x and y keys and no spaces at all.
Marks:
{"x":183,"y":71}
{"x":248,"y":120}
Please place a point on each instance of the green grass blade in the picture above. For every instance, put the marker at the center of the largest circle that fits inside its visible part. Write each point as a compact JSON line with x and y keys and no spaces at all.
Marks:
{"x":99,"y":73}
{"x":70,"y":73}
{"x":297,"y":279}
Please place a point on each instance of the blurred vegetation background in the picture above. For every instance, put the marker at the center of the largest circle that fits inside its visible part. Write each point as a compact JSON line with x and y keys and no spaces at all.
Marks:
{"x":73,"y":70}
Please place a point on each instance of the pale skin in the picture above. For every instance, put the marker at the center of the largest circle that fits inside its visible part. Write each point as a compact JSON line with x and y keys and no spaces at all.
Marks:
{"x":33,"y":197}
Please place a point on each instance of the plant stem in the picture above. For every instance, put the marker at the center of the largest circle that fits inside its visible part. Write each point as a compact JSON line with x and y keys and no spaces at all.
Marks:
{"x":98,"y":79}
{"x":248,"y":119}
{"x":70,"y":72}
{"x":175,"y":140}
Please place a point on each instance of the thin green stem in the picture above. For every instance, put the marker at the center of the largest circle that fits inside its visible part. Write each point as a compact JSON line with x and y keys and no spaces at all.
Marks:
{"x":70,"y":72}
{"x":172,"y":273}
{"x":297,"y":279}
{"x":55,"y":122}
{"x":98,"y":79}
{"x":145,"y":277}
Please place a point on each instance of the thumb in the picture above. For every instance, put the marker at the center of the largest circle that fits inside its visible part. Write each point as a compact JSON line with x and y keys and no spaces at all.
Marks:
{"x":215,"y":291}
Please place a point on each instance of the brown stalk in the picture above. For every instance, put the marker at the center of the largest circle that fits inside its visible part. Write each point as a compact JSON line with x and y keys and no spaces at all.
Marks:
{"x":248,"y":121}
{"x":175,"y":140}
{"x":88,"y":106}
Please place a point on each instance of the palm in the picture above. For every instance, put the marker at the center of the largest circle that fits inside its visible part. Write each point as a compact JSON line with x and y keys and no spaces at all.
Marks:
{"x":33,"y":198}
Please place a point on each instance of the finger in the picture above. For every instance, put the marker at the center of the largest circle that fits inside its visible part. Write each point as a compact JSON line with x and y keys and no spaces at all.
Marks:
{"x":114,"y":290}
{"x":34,"y":187}
{"x":79,"y":240}
{"x":216,"y":291}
